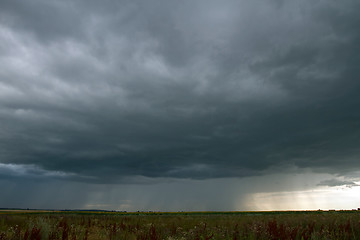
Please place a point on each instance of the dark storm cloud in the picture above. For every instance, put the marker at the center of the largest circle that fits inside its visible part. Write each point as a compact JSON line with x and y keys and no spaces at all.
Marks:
{"x":186,"y":90}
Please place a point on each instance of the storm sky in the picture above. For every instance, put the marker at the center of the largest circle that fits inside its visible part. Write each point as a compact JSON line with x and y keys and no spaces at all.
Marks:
{"x":180,"y":105}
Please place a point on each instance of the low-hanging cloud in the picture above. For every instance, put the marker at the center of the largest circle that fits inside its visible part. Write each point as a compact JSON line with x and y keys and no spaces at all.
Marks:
{"x":338,"y":183}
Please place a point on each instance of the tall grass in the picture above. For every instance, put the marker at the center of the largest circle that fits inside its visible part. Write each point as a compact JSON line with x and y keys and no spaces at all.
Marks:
{"x":199,"y":227}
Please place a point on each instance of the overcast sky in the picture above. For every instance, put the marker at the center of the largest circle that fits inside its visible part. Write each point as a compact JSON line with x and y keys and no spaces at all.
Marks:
{"x":179,"y":105}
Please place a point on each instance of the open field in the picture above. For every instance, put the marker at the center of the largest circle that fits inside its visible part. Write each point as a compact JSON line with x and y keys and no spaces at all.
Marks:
{"x":32,"y":224}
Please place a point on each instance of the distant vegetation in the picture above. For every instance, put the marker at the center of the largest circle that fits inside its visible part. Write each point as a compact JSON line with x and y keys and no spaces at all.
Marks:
{"x":80,"y":225}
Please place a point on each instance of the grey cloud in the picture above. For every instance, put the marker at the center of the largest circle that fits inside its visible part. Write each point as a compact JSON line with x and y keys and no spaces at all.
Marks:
{"x":337,"y":182}
{"x":47,"y":20}
{"x":192,"y":90}
{"x":34,"y":174}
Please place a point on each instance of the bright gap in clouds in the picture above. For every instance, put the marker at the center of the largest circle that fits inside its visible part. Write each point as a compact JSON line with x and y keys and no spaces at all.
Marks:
{"x":339,"y":198}
{"x":300,"y":192}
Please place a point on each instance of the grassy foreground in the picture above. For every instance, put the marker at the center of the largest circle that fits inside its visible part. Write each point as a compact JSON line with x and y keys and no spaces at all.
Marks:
{"x":38,"y":225}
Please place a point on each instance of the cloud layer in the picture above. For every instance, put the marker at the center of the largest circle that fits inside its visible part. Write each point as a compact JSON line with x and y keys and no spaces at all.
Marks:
{"x":192,"y":89}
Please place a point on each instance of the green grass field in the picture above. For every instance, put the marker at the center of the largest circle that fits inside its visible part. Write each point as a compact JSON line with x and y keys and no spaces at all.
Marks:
{"x":178,"y":225}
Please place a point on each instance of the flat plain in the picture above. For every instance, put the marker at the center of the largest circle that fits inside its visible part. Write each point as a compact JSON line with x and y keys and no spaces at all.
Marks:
{"x":94,"y":225}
